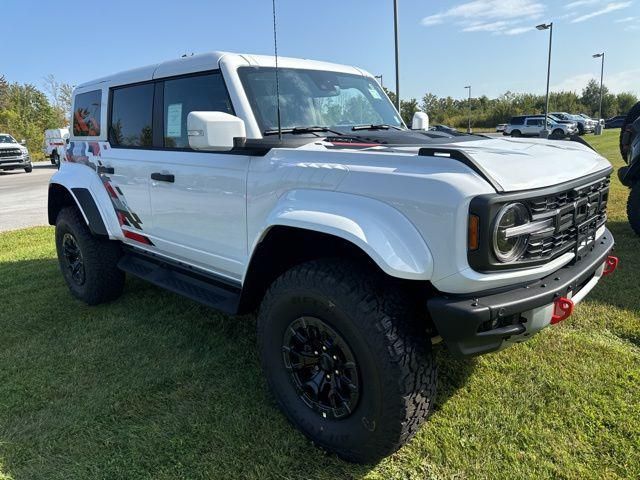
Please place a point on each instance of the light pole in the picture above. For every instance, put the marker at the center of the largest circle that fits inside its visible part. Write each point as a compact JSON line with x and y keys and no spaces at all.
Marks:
{"x":600,"y":55}
{"x":469,"y":125}
{"x":547,"y":26}
{"x":395,"y":28}
{"x":379,"y":77}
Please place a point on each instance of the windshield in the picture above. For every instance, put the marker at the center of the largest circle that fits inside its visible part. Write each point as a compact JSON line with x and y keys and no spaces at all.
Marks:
{"x":314,"y":98}
{"x":7,"y":139}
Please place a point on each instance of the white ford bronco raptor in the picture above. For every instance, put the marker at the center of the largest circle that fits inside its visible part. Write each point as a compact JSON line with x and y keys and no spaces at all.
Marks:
{"x":298,"y":192}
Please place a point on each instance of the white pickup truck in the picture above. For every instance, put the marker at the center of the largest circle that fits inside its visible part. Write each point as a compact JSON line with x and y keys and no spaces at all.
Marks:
{"x":300,"y":193}
{"x":55,"y":144}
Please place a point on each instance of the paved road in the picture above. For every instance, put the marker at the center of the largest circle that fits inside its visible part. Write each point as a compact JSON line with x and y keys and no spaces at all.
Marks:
{"x":23,"y":197}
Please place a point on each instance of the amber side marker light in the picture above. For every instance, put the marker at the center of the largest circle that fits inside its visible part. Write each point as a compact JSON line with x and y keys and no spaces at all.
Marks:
{"x":473,"y":238}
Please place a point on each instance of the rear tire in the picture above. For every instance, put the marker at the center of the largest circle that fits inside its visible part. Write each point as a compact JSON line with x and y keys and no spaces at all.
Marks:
{"x":633,"y":207}
{"x":516,"y":133}
{"x":378,"y":343}
{"x":88,"y":263}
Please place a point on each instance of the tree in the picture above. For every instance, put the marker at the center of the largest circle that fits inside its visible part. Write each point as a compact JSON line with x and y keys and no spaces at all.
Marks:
{"x":407,"y":109}
{"x":591,"y":97}
{"x":625,"y":101}
{"x":61,"y":95}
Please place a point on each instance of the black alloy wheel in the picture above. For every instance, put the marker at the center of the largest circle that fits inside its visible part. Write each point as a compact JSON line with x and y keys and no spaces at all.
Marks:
{"x":72,"y":258}
{"x":322,"y":367}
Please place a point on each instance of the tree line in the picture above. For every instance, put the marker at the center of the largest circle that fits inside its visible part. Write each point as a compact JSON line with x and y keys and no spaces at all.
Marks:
{"x":487,"y":113}
{"x":26,"y":111}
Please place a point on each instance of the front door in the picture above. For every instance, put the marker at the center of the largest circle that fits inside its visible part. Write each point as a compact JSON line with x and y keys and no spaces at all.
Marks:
{"x":198,"y":199}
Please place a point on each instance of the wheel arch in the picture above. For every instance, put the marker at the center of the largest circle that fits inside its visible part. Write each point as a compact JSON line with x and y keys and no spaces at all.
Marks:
{"x":307,"y":225}
{"x":60,"y":196}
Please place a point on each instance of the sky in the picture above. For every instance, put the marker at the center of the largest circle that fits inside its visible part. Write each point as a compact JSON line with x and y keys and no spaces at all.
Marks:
{"x":491,"y":45}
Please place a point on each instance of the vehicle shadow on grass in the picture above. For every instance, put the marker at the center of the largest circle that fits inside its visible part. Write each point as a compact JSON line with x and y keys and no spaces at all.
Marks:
{"x":149,"y":386}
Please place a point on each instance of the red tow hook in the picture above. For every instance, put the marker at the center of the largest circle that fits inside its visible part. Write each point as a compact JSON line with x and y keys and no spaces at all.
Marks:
{"x":562,"y":309}
{"x":610,"y":265}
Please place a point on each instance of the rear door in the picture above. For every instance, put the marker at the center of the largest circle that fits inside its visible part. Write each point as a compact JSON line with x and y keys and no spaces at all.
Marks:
{"x":126,"y":162}
{"x":198,"y":199}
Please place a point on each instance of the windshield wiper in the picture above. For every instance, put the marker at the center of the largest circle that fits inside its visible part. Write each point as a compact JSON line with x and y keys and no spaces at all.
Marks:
{"x":301,"y":130}
{"x":371,"y":126}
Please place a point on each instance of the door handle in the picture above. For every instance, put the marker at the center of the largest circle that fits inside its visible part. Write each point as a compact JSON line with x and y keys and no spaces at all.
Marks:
{"x":163,"y":177}
{"x":102,"y":169}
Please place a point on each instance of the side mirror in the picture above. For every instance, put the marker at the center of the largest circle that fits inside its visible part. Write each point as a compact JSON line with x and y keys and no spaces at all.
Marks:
{"x":216,"y":131}
{"x":66,"y":141}
{"x":23,"y":142}
{"x":420,"y":121}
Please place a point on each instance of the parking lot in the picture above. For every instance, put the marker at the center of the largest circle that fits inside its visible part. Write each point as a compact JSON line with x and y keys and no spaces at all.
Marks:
{"x":23,"y":197}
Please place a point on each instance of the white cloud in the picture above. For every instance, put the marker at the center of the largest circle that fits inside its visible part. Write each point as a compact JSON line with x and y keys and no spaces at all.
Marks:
{"x":580,"y":3}
{"x":486,"y":27}
{"x":495,"y":16}
{"x":489,"y":10}
{"x":608,"y":8}
{"x":626,"y":19}
{"x":625,"y":81}
{"x":518,"y":30}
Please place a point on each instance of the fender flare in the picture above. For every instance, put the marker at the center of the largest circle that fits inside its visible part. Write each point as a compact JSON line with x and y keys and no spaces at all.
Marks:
{"x":380,"y":230}
{"x":84,"y":186}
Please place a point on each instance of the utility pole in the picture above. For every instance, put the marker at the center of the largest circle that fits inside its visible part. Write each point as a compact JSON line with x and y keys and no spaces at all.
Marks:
{"x":547,"y":26}
{"x":469,"y":126}
{"x":600,"y":55}
{"x":395,"y":26}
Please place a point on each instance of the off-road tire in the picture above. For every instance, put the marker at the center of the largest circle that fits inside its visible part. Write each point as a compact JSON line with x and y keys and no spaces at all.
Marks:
{"x":516,"y":133}
{"x":387,"y":335}
{"x":633,"y":208}
{"x":633,"y":114}
{"x":103,"y":280}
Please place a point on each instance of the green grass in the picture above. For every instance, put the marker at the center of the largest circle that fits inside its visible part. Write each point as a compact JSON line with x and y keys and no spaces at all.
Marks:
{"x":155,"y":386}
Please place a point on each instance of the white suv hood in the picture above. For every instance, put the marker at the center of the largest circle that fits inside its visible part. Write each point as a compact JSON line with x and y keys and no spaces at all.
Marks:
{"x":522,"y":164}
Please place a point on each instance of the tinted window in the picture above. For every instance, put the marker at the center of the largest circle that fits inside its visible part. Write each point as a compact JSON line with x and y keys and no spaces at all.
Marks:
{"x":86,"y":114}
{"x":517,"y":121}
{"x":191,"y":94}
{"x":131,"y":114}
{"x":534,"y":121}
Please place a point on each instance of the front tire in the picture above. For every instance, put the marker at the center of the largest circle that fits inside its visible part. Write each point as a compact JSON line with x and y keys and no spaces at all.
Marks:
{"x":516,"y":133}
{"x":557,"y":134}
{"x":88,"y":263}
{"x":633,"y":208}
{"x":347,"y":358}
{"x":28,"y":168}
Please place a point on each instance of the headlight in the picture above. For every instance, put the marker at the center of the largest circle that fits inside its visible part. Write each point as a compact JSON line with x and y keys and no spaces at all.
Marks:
{"x":508,"y":243}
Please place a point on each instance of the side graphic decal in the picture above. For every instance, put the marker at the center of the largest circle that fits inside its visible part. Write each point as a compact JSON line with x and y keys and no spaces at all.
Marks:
{"x":89,"y":154}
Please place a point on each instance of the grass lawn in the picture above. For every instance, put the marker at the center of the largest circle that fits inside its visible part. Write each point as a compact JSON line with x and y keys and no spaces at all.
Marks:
{"x":155,"y":386}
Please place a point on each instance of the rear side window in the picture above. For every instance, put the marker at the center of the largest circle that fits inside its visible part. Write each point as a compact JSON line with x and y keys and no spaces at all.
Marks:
{"x":191,"y":94}
{"x":534,"y":121}
{"x":517,"y":121}
{"x":86,"y":114}
{"x":131,"y":116}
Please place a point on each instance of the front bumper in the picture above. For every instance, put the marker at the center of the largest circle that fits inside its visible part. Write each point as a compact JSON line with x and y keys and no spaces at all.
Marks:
{"x":473,"y":325}
{"x":13,"y":163}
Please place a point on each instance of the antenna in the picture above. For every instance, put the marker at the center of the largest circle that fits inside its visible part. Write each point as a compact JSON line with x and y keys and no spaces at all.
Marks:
{"x":275,"y":48}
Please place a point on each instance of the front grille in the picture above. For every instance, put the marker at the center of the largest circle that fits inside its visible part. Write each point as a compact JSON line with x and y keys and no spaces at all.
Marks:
{"x":10,"y":152}
{"x":577,"y":214}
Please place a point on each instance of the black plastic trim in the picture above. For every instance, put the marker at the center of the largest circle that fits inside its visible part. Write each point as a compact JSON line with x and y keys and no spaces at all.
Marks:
{"x":90,"y":209}
{"x":486,"y":208}
{"x":458,"y":318}
{"x":462,"y":157}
